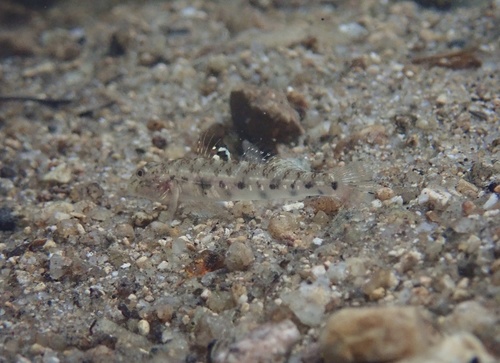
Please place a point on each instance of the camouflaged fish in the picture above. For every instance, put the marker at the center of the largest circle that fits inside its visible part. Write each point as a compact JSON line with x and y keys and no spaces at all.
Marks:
{"x":222,"y":179}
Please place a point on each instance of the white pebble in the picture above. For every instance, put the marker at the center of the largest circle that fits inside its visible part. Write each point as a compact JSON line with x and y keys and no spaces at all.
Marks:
{"x":353,"y":30}
{"x":143,"y":327}
{"x":163,"y":265}
{"x":492,"y":200}
{"x":439,"y":197}
{"x":318,"y":241}
{"x":318,"y":270}
{"x":293,"y":206}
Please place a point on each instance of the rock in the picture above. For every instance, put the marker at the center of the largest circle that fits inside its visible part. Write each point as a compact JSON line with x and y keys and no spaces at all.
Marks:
{"x":328,"y":205}
{"x":58,"y":266}
{"x":7,"y":219}
{"x":208,"y":327}
{"x":165,"y":312}
{"x":474,"y":318}
{"x":436,"y":199}
{"x":61,"y":174}
{"x":461,"y":347}
{"x":309,"y":302}
{"x":141,"y":219}
{"x":264,"y":117}
{"x":124,"y":338}
{"x":384,"y":193}
{"x":378,"y":282}
{"x":467,"y":189}
{"x":206,"y":261}
{"x":239,"y":257}
{"x":124,"y":230}
{"x":15,"y":43}
{"x":218,"y":301}
{"x":62,"y":44}
{"x":143,"y":327}
{"x":282,"y":227}
{"x":268,"y":343}
{"x":377,"y":334}
{"x":100,"y":214}
{"x":67,"y":228}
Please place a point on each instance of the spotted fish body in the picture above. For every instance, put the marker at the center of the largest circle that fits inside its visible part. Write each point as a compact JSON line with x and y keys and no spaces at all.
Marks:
{"x":219,"y":180}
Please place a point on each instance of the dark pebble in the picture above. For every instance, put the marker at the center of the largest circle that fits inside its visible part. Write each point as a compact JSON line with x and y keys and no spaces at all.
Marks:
{"x":159,"y":142}
{"x":7,"y":219}
{"x":7,"y":172}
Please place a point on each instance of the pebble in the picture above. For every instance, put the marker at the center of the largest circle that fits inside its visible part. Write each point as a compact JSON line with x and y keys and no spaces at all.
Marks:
{"x":337,"y":272}
{"x":52,"y":211}
{"x":141,"y":219}
{"x":492,"y":202}
{"x":442,"y":100}
{"x":58,"y":266}
{"x":100,"y":214}
{"x":124,"y":337}
{"x":239,"y":257}
{"x":6,"y":185}
{"x":467,"y":189}
{"x":67,"y":228}
{"x":353,"y":30}
{"x":384,"y":193}
{"x":374,"y":334}
{"x":163,"y":266}
{"x":61,"y":43}
{"x":293,"y":206}
{"x":124,"y":230}
{"x":164,"y":312}
{"x":328,"y":205}
{"x":7,"y":219}
{"x":61,"y":174}
{"x":468,"y":208}
{"x":270,"y":342}
{"x":143,"y":327}
{"x":218,"y":301}
{"x":474,"y":318}
{"x":308,"y":302}
{"x":435,"y":198}
{"x":459,"y":348}
{"x":281,"y":227}
{"x":375,"y":287}
{"x":7,"y":172}
{"x":143,"y":262}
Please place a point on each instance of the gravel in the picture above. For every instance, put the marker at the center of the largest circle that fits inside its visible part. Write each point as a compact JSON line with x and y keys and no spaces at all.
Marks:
{"x":406,"y":94}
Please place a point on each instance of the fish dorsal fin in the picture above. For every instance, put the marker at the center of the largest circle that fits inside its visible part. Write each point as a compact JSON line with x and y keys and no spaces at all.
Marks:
{"x":212,"y":149}
{"x":204,"y":146}
{"x":253,"y":154}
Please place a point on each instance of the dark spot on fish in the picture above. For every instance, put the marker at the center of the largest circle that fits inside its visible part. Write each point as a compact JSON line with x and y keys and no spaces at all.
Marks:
{"x":204,"y":184}
{"x":294,"y":193}
{"x":335,"y":185}
{"x":273,"y":186}
{"x":292,"y":185}
{"x":263,"y":194}
{"x":320,"y":192}
{"x":222,"y":184}
{"x":172,"y":177}
{"x":309,"y":184}
{"x":185,"y":178}
{"x":241,"y":185}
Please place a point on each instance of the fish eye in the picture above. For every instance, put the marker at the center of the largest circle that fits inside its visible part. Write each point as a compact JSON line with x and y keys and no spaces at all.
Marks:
{"x":140,"y":172}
